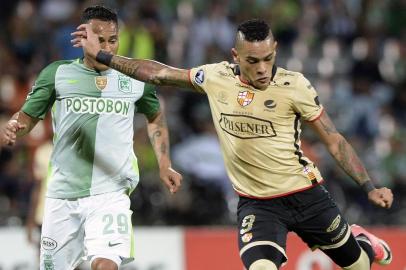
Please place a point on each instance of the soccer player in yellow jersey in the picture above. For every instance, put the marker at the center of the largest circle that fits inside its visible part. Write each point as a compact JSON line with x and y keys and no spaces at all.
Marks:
{"x":257,"y":110}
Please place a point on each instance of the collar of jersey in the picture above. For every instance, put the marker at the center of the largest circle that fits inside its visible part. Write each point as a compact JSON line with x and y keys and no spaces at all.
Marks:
{"x":237,"y":72}
{"x":100,"y":73}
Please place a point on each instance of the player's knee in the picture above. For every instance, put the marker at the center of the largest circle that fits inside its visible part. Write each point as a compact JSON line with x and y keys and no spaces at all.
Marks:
{"x":263,"y":265}
{"x":361,"y":264}
{"x":263,"y":255}
{"x":104,"y":264}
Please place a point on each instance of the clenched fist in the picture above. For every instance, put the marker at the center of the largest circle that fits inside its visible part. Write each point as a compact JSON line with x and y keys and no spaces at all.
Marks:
{"x":8,"y":133}
{"x":382,"y":197}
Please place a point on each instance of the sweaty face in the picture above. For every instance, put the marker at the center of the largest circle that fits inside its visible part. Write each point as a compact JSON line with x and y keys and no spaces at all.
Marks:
{"x":256,"y":60}
{"x":108,"y":38}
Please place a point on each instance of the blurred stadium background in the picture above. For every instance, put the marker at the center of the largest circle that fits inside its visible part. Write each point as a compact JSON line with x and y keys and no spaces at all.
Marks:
{"x":353,"y":51}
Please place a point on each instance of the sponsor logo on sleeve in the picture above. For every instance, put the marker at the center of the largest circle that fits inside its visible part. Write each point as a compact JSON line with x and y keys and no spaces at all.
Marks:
{"x":199,"y":77}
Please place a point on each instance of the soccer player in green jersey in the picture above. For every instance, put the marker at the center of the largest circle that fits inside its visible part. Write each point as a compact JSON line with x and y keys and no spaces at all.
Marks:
{"x":93,"y":168}
{"x":257,"y":110}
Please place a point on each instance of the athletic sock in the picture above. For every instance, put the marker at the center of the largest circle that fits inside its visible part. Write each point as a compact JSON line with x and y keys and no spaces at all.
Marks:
{"x":366,"y":246}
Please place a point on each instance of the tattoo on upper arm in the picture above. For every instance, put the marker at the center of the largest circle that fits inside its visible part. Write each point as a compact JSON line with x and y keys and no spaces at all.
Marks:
{"x":327,"y":124}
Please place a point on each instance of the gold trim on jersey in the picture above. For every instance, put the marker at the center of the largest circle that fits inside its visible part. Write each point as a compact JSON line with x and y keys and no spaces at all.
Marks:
{"x":279,"y":195}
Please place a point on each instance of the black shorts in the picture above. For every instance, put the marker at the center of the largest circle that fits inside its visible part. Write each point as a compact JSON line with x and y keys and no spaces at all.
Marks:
{"x":311,"y":214}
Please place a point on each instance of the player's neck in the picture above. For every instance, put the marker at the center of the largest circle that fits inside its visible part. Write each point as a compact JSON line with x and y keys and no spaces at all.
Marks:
{"x":88,"y":63}
{"x":92,"y":65}
{"x":248,"y":83}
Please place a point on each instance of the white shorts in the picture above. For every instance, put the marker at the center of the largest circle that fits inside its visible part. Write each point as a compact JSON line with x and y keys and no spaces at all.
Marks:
{"x":76,"y":230}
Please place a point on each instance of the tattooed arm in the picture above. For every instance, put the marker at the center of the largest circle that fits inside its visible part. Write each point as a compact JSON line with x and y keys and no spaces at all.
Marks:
{"x":159,"y":137}
{"x":348,"y":160}
{"x":144,"y":70}
{"x":151,"y":72}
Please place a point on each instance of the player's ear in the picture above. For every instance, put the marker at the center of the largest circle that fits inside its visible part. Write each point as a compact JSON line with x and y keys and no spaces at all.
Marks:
{"x":234,"y":53}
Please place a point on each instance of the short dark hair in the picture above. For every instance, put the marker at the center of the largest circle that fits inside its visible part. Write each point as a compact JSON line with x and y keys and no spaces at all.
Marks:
{"x":255,"y":30}
{"x":99,"y":12}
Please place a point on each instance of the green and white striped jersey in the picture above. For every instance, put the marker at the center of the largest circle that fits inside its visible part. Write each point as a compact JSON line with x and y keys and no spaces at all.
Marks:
{"x":93,"y":116}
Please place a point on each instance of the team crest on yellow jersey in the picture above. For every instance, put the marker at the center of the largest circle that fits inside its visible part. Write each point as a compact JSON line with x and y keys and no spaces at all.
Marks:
{"x":245,"y":98}
{"x":101,"y":82}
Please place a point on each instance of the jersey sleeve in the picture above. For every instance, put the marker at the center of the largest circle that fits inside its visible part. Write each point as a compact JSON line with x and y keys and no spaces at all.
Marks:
{"x":42,"y":95}
{"x":306,"y":101}
{"x":148,"y":104}
{"x":200,"y":76}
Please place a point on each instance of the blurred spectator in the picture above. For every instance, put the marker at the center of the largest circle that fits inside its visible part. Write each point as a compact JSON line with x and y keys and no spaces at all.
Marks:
{"x":200,"y":159}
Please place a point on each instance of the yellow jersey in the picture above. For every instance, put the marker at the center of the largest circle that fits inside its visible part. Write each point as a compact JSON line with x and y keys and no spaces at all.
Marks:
{"x":259,"y":130}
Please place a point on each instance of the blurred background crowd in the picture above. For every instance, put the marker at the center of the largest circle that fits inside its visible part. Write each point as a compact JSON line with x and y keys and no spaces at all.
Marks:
{"x":353,"y":52}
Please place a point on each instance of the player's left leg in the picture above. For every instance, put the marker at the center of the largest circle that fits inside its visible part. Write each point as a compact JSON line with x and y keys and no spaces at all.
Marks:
{"x":377,"y":249}
{"x":320,"y":224}
{"x":108,"y":231}
{"x":348,"y":254}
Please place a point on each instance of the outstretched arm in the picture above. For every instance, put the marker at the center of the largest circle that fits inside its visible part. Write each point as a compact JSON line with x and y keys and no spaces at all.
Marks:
{"x":19,"y":125}
{"x":349,"y":161}
{"x":159,"y":137}
{"x":144,"y":70}
{"x":150,"y":71}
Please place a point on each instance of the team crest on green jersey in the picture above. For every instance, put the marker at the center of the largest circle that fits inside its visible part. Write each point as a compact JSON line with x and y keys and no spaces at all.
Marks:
{"x":101,"y":82}
{"x":124,"y":84}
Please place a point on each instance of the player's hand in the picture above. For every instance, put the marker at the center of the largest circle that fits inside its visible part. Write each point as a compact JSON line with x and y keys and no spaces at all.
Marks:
{"x":8,"y":133}
{"x":382,"y":197}
{"x":85,"y":37}
{"x":171,"y":178}
{"x":30,"y":227}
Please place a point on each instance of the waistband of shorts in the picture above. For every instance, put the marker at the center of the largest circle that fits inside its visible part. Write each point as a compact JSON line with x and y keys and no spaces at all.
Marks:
{"x":316,"y":184}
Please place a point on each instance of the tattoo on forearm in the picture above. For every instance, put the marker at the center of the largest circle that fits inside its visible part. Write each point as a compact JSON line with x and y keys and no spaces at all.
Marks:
{"x":158,"y":132}
{"x":154,"y":137}
{"x":350,"y":162}
{"x":163,"y":148}
{"x":126,"y":66}
{"x":151,"y":71}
